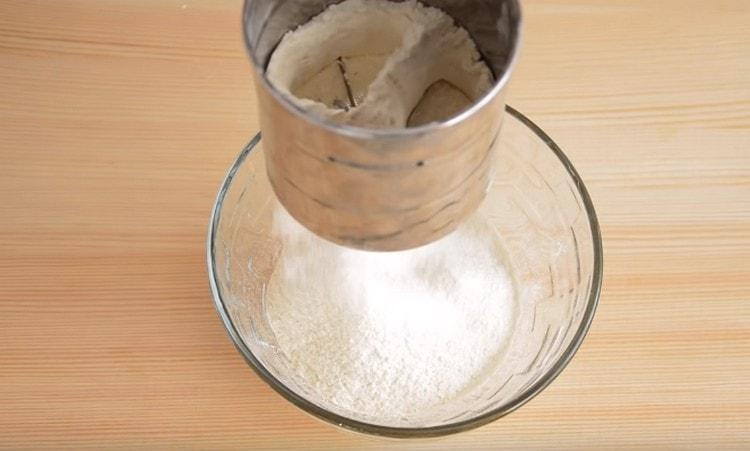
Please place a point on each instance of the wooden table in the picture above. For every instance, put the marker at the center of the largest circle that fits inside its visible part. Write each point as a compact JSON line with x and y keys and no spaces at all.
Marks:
{"x":119,"y":118}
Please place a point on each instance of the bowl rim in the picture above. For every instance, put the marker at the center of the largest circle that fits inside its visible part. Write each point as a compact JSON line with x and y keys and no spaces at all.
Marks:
{"x":432,"y":431}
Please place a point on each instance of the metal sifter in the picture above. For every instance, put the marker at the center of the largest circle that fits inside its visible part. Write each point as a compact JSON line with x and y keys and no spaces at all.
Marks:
{"x":381,"y":190}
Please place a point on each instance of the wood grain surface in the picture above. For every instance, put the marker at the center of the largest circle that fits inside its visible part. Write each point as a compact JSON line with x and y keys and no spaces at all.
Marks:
{"x":119,"y":118}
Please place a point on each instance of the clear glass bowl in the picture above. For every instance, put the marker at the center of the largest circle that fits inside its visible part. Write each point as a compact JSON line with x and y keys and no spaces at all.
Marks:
{"x":550,"y":236}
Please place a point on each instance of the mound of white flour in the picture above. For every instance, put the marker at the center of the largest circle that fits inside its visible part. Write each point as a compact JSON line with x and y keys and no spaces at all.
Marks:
{"x":389,"y":53}
{"x":390,"y":334}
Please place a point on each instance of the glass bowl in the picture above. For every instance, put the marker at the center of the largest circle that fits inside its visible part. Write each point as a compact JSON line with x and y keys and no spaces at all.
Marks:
{"x":551,"y":245}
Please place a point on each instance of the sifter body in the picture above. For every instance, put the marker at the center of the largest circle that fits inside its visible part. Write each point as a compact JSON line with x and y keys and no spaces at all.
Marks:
{"x":375,"y":189}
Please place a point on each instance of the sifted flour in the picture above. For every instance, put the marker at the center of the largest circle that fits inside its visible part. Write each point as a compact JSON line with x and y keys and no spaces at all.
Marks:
{"x":390,"y":334}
